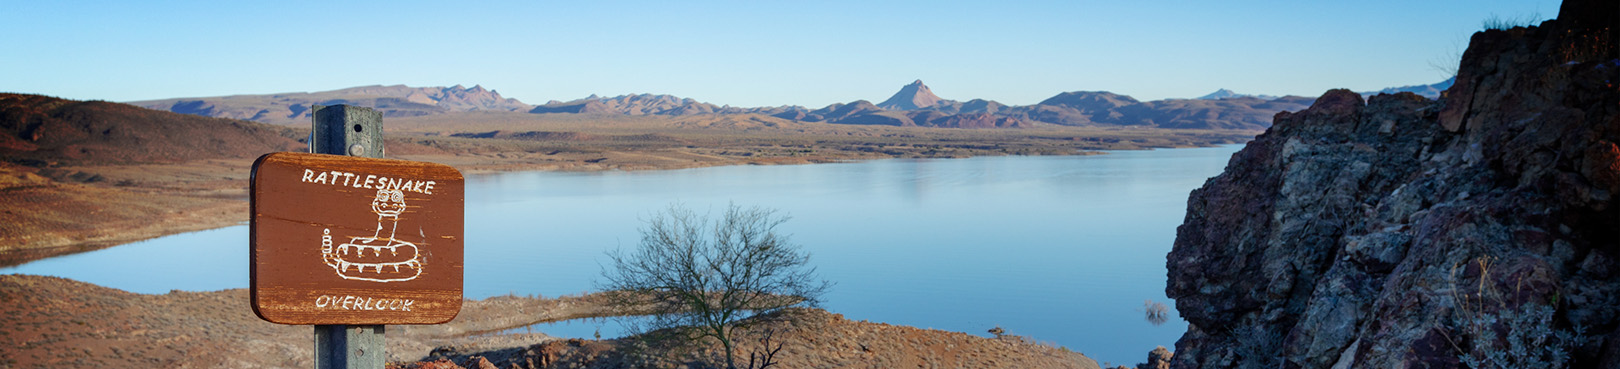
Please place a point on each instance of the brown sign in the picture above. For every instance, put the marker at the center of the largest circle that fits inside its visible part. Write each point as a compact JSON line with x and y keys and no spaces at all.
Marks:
{"x":349,"y":240}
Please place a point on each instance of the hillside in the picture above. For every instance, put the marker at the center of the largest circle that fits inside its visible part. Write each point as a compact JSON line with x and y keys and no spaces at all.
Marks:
{"x":80,"y":175}
{"x":1403,"y":232}
{"x":43,"y":131}
{"x":294,"y":108}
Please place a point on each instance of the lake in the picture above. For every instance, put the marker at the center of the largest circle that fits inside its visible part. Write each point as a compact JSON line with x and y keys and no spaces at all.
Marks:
{"x":1062,"y":249}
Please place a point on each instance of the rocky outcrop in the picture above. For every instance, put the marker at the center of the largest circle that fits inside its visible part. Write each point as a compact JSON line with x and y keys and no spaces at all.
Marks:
{"x":1403,"y":232}
{"x":1159,"y":358}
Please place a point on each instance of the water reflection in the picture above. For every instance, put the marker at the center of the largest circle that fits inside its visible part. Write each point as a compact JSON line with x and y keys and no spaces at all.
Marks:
{"x":198,"y":261}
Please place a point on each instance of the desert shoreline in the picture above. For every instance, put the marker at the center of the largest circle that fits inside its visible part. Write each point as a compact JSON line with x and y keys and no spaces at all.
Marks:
{"x":59,"y":322}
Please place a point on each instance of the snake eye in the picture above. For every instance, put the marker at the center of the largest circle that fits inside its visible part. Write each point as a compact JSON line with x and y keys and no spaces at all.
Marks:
{"x":399,"y":197}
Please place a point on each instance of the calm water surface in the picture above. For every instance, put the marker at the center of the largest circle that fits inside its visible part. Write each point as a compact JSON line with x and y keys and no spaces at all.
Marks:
{"x":1060,"y":249}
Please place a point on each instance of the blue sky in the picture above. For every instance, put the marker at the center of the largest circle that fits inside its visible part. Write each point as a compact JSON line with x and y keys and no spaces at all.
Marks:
{"x":737,"y":53}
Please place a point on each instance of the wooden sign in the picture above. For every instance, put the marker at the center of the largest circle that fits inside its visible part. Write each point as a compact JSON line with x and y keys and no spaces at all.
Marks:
{"x":350,"y":240}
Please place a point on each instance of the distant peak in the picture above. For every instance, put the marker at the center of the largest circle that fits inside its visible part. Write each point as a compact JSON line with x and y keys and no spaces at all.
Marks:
{"x":912,"y":97}
{"x":1228,"y":94}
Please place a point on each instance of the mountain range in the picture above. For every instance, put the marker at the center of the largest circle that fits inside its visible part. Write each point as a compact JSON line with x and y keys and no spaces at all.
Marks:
{"x":1227,"y":94}
{"x":293,"y":108}
{"x":1431,"y":91}
{"x":914,"y":105}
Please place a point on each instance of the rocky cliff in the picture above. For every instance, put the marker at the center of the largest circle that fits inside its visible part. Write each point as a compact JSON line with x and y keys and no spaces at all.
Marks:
{"x":1479,"y":230}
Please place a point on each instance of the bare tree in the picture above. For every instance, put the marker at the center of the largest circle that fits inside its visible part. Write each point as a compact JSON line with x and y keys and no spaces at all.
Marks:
{"x":707,"y":277}
{"x":1157,"y":312}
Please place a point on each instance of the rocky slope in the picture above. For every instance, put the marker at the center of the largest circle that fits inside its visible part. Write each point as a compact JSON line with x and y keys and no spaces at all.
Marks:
{"x":1410,"y":233}
{"x":294,"y":108}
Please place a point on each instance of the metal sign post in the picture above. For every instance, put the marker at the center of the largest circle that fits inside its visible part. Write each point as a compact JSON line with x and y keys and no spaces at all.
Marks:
{"x":339,"y":346}
{"x":349,"y":243}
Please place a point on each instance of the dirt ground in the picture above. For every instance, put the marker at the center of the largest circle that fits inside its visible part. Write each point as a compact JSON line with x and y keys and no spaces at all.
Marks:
{"x":50,"y":322}
{"x":794,"y":338}
{"x":56,"y":322}
{"x":54,"y":211}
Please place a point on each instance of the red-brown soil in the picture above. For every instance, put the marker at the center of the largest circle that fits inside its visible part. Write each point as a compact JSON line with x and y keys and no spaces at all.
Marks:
{"x":807,"y":338}
{"x":82,"y":175}
{"x":42,"y":217}
{"x":55,"y":322}
{"x":43,"y":131}
{"x":60,"y":323}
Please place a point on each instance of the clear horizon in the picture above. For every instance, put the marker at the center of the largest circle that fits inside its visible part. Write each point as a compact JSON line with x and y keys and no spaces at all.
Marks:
{"x":740,"y":53}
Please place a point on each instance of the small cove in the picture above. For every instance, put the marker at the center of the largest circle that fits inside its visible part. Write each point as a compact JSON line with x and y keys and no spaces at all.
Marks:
{"x":1063,"y":249}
